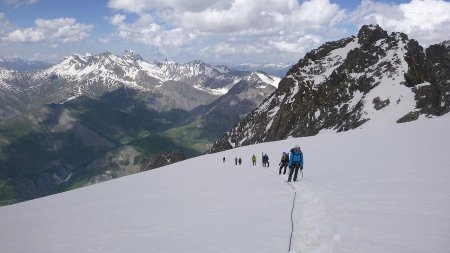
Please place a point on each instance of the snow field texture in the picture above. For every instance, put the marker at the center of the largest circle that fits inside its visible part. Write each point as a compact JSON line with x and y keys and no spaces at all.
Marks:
{"x":382,"y":189}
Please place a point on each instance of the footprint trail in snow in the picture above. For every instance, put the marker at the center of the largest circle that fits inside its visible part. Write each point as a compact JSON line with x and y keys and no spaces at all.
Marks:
{"x":313,"y":222}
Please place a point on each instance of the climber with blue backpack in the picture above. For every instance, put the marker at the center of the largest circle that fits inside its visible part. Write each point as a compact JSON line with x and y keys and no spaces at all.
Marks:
{"x":295,"y":162}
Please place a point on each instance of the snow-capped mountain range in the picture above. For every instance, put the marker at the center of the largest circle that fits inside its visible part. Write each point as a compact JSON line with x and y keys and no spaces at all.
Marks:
{"x":365,"y":80}
{"x":279,"y":70}
{"x":131,"y":70}
{"x":93,"y":75}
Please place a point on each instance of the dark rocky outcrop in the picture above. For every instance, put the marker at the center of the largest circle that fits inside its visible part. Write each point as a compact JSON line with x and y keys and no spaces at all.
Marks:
{"x":415,"y":57}
{"x":436,"y":100}
{"x":379,"y":104}
{"x":369,"y":34}
{"x":163,"y":160}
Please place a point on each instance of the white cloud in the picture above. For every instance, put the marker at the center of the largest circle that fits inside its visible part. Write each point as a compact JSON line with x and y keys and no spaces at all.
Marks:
{"x":18,"y":3}
{"x":117,"y":19}
{"x":301,"y":45}
{"x":317,"y":14}
{"x":5,"y":25}
{"x":255,"y":48}
{"x":238,"y":16}
{"x":51,"y":31}
{"x":141,"y":6}
{"x":104,"y":40}
{"x":146,"y":30}
{"x":224,"y":48}
{"x":259,"y":28}
{"x":427,"y":21}
{"x":26,"y":35}
{"x":263,"y":17}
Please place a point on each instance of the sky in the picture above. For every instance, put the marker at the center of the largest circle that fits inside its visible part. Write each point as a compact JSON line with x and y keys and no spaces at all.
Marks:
{"x":215,"y":31}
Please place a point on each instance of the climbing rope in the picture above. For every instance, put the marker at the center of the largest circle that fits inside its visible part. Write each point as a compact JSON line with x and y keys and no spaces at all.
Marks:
{"x":292,"y":213}
{"x":292,"y":216}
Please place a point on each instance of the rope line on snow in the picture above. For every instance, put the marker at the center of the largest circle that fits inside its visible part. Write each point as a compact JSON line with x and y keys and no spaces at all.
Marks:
{"x":292,"y":215}
{"x":292,"y":212}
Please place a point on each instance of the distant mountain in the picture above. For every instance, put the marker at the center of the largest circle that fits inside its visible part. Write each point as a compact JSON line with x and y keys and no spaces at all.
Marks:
{"x":131,"y":70}
{"x":246,"y":95}
{"x":371,"y":79}
{"x":11,"y":103}
{"x":210,"y":121}
{"x":278,"y":70}
{"x":92,"y":118}
{"x":22,"y":65}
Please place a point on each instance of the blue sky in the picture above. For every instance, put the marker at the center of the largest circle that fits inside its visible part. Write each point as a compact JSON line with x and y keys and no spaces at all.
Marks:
{"x":216,"y":31}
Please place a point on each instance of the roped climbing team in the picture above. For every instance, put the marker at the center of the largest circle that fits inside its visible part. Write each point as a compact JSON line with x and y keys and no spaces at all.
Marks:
{"x":293,"y":160}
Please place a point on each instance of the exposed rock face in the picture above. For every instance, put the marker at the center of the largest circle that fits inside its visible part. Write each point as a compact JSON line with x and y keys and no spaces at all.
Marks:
{"x":371,"y":79}
{"x":415,"y":57}
{"x":368,"y":35}
{"x":378,"y":104}
{"x":434,"y":99}
{"x":163,"y":160}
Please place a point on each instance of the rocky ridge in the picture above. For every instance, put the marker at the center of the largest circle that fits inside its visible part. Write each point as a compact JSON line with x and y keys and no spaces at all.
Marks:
{"x":365,"y":80}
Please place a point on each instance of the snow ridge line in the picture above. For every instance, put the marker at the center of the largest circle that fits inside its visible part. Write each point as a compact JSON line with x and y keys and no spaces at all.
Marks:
{"x":292,"y":215}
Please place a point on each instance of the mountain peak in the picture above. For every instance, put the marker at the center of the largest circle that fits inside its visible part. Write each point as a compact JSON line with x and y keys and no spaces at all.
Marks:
{"x":375,"y":78}
{"x":445,"y":43}
{"x":106,"y":53}
{"x":369,"y":34}
{"x":131,"y":55}
{"x":199,"y":62}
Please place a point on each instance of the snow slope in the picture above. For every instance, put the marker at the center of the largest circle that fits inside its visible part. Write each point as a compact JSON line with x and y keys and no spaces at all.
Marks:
{"x":272,"y":80}
{"x":384,"y":189}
